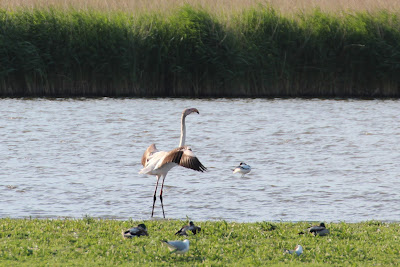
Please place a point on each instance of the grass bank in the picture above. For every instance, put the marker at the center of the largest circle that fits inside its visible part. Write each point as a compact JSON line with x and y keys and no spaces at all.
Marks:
{"x":194,"y":52}
{"x":90,"y":242}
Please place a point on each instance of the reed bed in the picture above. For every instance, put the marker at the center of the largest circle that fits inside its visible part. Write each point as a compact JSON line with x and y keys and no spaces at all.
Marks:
{"x":191,"y":50}
{"x":219,"y":6}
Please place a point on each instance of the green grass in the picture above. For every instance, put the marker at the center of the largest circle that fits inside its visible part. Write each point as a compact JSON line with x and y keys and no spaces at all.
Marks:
{"x":93,"y":242}
{"x":191,"y":52}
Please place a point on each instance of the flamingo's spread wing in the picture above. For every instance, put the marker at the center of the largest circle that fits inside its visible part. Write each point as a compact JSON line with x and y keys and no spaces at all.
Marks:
{"x":184,"y":157}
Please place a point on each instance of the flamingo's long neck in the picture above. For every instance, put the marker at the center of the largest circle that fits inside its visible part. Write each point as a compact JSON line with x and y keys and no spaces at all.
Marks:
{"x":183,"y":131}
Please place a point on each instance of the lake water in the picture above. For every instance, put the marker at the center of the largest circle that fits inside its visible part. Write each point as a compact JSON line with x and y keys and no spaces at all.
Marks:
{"x":312,"y":160}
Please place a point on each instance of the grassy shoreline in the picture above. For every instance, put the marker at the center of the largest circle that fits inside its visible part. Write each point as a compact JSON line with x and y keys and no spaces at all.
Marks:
{"x":88,"y":242}
{"x":192,"y":52}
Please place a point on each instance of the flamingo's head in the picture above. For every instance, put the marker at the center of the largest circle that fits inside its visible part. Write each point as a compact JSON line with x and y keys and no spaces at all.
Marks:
{"x":190,"y":111}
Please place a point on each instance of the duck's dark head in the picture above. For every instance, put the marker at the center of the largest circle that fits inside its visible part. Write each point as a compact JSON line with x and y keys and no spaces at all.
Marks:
{"x":142,"y":226}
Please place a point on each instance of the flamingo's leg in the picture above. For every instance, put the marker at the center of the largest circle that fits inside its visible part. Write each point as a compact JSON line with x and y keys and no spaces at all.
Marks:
{"x":162,"y":186}
{"x":154,"y":197}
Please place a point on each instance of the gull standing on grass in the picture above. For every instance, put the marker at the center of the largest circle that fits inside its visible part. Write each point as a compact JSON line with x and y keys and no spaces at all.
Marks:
{"x":298,"y":250}
{"x":178,"y":246}
{"x":159,"y":163}
{"x":243,"y":168}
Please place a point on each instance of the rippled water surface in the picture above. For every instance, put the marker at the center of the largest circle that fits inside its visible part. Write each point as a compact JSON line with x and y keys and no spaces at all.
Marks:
{"x":312,"y":160}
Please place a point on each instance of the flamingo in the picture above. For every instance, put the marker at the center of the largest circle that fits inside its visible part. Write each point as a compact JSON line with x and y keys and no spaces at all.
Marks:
{"x":159,"y":163}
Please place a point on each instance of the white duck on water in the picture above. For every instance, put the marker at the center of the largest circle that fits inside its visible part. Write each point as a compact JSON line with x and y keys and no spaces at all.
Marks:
{"x":243,"y":168}
{"x":159,"y":163}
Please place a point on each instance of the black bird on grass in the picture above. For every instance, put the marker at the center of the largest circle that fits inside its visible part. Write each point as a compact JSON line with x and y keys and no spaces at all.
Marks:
{"x":189,"y":227}
{"x":140,"y":230}
{"x":317,"y":230}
